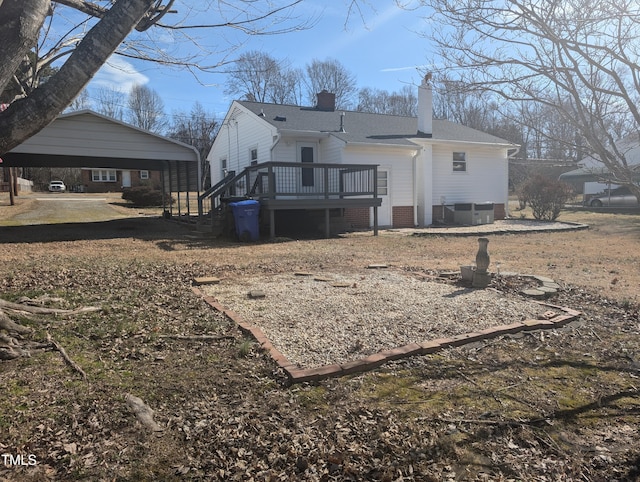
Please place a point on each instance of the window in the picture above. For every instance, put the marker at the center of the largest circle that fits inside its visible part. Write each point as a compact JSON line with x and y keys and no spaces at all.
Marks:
{"x":223,"y":168}
{"x":253,"y":156}
{"x":383,"y":183}
{"x":144,"y":175}
{"x":306,"y":155}
{"x":103,"y":175}
{"x":459,"y":162}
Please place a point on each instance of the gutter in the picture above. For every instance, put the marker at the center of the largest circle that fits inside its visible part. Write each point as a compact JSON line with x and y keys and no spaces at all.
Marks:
{"x":276,"y":140}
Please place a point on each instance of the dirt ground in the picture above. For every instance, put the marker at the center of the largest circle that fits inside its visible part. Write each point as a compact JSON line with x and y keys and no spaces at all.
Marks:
{"x":558,"y":405}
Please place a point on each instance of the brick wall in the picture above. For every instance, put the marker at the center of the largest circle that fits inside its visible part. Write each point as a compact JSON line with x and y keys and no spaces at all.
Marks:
{"x":403,"y":217}
{"x":154,"y":181}
{"x":357,"y":218}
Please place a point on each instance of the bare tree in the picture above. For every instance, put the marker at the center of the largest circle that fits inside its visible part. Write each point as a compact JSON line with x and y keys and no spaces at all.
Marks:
{"x":332,"y":76}
{"x":580,"y":58}
{"x":81,"y":102}
{"x":198,"y":128}
{"x":259,"y":77}
{"x":402,"y":103}
{"x":106,"y":25}
{"x":146,"y":109}
{"x":110,"y":103}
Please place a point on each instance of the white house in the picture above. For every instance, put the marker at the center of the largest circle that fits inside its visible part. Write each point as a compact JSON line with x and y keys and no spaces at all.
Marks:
{"x":593,"y":177}
{"x":425,"y":166}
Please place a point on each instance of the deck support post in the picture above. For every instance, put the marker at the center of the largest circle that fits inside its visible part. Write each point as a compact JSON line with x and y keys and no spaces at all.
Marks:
{"x":327,"y":223}
{"x":375,"y":220}
{"x":272,"y":223}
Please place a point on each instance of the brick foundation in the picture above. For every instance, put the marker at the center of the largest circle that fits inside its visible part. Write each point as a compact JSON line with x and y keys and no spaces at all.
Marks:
{"x":403,"y":217}
{"x":357,"y":218}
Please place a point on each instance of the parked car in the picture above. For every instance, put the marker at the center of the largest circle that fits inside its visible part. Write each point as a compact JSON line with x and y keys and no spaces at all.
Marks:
{"x":57,"y":186}
{"x":620,"y":196}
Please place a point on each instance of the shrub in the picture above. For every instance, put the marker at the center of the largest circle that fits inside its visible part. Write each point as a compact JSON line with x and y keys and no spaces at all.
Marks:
{"x":546,"y":196}
{"x":144,"y":196}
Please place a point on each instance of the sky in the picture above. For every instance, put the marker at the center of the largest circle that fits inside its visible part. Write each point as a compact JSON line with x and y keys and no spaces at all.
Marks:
{"x":383,"y":48}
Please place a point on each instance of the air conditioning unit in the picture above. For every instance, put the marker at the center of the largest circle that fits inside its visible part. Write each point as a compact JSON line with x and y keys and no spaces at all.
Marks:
{"x":472,"y":214}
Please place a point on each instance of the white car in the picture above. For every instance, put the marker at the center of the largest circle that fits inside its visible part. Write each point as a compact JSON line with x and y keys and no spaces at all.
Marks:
{"x":57,"y":186}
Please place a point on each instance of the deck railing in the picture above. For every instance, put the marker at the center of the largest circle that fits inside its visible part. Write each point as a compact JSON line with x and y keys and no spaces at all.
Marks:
{"x":294,"y":180}
{"x":288,"y":180}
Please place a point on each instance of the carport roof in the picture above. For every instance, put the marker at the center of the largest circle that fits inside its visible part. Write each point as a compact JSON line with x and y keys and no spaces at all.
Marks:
{"x":88,"y":139}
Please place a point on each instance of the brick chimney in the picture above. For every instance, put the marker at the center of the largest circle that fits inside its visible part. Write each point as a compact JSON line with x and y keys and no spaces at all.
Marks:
{"x":326,"y":101}
{"x":425,"y":106}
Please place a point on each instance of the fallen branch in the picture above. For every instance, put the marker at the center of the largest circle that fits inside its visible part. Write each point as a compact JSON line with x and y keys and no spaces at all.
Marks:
{"x":198,"y":337}
{"x":66,"y":357}
{"x":143,"y":412}
{"x":498,"y":423}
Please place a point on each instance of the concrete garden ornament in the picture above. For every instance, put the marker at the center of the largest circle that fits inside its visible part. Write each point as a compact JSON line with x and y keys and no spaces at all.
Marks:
{"x":481,"y":277}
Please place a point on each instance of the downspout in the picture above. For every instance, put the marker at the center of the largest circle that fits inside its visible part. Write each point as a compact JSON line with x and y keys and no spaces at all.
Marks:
{"x":509,"y":156}
{"x":415,"y":188}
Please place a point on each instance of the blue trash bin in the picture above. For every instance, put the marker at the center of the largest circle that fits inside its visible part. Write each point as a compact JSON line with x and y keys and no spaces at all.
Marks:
{"x":245,"y":215}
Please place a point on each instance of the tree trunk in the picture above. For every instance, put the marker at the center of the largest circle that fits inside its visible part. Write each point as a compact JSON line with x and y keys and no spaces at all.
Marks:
{"x":25,"y":117}
{"x":21,"y":23}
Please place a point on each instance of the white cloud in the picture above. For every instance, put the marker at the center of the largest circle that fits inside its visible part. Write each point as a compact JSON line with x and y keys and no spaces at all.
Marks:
{"x":118,"y":74}
{"x":400,"y":69}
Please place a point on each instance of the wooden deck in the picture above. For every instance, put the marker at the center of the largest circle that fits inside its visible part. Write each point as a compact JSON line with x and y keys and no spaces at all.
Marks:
{"x":302,"y":186}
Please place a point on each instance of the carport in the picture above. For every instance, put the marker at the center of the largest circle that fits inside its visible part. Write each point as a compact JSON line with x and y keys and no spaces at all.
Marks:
{"x":86,"y":139}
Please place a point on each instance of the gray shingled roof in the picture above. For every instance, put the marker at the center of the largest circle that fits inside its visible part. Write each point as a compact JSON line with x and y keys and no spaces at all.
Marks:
{"x":363,"y":127}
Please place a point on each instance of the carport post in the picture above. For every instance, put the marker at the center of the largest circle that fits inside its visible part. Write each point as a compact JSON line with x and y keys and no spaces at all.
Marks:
{"x":170,"y":191}
{"x":186,"y":168}
{"x":178,"y":187}
{"x":164,"y":192}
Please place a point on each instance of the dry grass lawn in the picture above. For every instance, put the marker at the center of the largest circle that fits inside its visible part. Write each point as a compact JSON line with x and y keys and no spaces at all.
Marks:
{"x":560,"y":405}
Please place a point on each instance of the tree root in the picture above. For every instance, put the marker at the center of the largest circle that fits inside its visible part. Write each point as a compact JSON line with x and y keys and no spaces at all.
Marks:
{"x":66,"y":357}
{"x":143,"y":413}
{"x":10,"y":326}
{"x":39,"y":310}
{"x":12,"y":344}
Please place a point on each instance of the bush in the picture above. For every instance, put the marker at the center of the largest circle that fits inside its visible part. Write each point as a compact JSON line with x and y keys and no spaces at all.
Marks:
{"x":144,"y":196}
{"x":546,"y":196}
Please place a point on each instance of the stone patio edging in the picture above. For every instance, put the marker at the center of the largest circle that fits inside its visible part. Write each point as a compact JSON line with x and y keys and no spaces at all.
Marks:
{"x":300,"y":375}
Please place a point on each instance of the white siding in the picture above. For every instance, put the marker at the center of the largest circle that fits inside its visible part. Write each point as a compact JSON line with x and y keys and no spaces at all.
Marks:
{"x":241,"y":131}
{"x":398,"y":161}
{"x":77,"y":134}
{"x":485,"y":180}
{"x":331,"y":150}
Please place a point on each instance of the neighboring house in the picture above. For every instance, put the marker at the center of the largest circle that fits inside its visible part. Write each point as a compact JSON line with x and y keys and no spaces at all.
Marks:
{"x":113,"y":180}
{"x":425,"y":166}
{"x":592,"y":176}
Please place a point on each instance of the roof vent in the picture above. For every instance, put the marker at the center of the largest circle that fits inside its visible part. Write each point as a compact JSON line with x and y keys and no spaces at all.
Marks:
{"x":280,"y":118}
{"x":261,"y":114}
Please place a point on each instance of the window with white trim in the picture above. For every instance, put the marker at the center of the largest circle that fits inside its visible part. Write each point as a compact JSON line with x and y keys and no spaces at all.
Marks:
{"x":253,"y":156}
{"x":223,"y":167}
{"x":103,"y":175}
{"x":144,"y":175}
{"x":459,"y":162}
